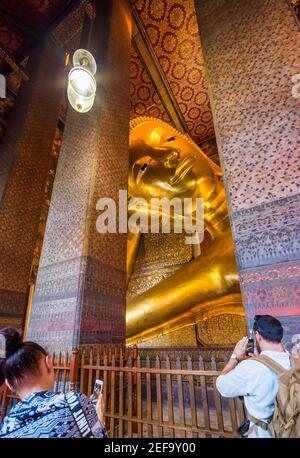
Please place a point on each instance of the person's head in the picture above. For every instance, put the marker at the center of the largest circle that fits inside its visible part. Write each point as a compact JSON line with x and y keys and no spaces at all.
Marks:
{"x":26,"y":364}
{"x":268,"y":332}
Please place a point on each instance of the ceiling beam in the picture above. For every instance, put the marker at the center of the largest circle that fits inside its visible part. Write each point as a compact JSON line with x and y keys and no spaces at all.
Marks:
{"x":14,"y":65}
{"x":148,"y":57}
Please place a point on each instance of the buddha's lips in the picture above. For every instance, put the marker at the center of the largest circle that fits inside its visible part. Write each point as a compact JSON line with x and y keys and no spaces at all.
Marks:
{"x":182,"y":169}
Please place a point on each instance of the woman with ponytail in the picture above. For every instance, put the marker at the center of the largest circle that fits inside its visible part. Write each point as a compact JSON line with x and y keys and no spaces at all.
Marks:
{"x":27,"y":371}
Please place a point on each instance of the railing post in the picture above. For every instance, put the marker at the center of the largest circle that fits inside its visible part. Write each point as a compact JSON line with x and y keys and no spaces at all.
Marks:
{"x":105,"y":389}
{"x":134,"y":386}
{"x":74,"y":369}
{"x":3,"y":404}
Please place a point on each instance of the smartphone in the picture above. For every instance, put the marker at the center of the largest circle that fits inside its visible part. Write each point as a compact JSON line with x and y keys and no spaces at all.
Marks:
{"x":98,"y":388}
{"x":250,"y":345}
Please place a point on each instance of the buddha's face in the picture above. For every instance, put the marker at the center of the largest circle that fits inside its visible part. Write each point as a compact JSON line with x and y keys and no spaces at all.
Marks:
{"x":169,"y":170}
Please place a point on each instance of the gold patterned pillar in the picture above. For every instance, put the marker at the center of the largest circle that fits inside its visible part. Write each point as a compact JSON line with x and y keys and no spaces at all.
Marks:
{"x":81,"y":286}
{"x":251,"y":52}
{"x":24,"y":156}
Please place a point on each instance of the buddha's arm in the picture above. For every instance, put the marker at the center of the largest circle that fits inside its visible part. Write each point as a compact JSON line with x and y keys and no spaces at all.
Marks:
{"x":133,"y":243}
{"x":209,"y":276}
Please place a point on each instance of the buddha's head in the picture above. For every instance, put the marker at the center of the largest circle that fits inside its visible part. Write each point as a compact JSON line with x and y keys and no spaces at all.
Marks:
{"x":165,"y":163}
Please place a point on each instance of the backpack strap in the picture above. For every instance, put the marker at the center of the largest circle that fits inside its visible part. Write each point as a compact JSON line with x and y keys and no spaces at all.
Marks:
{"x":269,"y":362}
{"x":275,"y":367}
{"x":295,"y":361}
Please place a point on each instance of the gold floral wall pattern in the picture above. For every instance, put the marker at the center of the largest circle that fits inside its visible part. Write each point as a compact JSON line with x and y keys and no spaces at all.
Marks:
{"x":171,"y":27}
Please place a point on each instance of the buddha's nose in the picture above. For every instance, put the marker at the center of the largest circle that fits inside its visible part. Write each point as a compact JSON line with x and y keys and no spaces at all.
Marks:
{"x":172,"y":158}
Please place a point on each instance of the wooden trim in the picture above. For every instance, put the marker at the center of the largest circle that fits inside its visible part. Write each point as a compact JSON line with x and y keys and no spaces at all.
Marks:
{"x":293,"y":10}
{"x":28,"y":308}
{"x":146,"y":370}
{"x":165,"y":424}
{"x":14,"y":65}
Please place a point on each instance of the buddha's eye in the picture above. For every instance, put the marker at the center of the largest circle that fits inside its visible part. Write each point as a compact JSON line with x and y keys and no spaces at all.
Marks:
{"x":141,"y":171}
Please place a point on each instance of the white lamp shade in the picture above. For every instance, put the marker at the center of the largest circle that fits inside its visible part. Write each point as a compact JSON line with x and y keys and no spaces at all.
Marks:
{"x":81,"y":82}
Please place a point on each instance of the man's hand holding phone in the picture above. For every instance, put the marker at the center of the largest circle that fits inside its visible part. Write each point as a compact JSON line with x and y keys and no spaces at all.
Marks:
{"x":241,"y":348}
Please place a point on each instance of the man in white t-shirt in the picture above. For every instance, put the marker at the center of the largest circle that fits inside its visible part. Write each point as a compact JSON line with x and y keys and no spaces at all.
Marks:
{"x":252,"y":379}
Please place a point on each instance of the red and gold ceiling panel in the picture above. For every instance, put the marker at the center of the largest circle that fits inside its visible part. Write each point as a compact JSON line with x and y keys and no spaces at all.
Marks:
{"x":144,"y":100}
{"x":173,"y":32}
{"x":10,"y":39}
{"x":36,"y":13}
{"x":21,"y":21}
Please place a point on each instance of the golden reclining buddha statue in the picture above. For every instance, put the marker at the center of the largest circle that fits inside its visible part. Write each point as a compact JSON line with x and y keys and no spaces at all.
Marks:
{"x":166,"y":163}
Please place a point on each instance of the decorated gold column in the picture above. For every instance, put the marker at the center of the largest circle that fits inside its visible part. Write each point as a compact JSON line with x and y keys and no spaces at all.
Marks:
{"x":24,"y":162}
{"x":81,"y":285}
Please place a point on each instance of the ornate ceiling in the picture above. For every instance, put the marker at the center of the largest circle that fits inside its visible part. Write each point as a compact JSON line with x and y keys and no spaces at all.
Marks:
{"x":172,"y":30}
{"x":167,"y":71}
{"x":169,"y":28}
{"x":21,"y":22}
{"x":144,"y":100}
